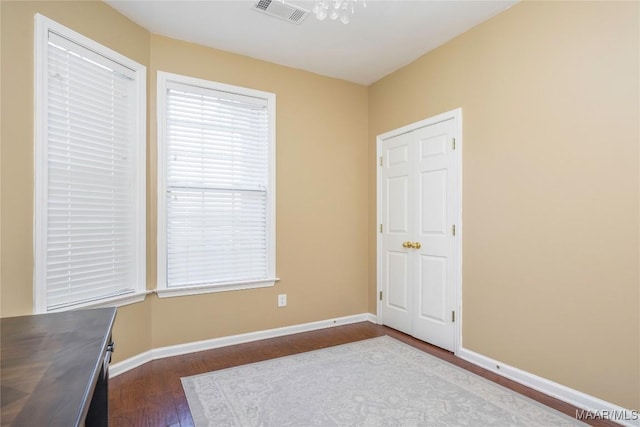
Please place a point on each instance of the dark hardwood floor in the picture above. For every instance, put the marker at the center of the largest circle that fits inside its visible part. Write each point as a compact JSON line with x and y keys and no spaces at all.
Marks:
{"x":151,"y":395}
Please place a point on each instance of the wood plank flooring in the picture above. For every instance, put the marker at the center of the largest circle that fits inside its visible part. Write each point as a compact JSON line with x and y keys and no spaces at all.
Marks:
{"x":152,"y":395}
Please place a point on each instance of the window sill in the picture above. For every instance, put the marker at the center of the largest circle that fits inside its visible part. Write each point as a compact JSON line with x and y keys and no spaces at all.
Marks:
{"x":116,"y":301}
{"x":218,"y":287}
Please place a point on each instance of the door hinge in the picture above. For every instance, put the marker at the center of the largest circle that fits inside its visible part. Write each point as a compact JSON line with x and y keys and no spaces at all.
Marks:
{"x":381,"y":161}
{"x":453,"y":316}
{"x":453,"y":143}
{"x":380,"y":228}
{"x":380,"y":295}
{"x":453,"y":229}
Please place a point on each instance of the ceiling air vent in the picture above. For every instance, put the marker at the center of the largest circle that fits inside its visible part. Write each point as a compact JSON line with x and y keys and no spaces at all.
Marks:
{"x":282,"y":10}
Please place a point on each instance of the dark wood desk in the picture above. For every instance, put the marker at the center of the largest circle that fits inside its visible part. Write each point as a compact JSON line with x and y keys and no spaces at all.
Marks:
{"x":54,"y":368}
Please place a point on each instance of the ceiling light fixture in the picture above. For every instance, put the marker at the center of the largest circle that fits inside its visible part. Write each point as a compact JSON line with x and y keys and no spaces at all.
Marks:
{"x":335,"y":9}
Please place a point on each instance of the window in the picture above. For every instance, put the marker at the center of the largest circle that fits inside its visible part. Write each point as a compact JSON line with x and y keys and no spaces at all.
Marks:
{"x":216,"y":193}
{"x":90,"y":176}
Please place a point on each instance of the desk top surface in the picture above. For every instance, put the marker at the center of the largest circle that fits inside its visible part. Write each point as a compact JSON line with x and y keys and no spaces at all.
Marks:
{"x":49,"y":365}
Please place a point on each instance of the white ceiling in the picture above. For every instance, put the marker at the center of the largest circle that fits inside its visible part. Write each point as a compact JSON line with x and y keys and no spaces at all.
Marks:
{"x":380,"y":39}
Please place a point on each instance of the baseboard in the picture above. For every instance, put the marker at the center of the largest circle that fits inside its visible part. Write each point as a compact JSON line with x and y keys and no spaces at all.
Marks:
{"x":192,"y":347}
{"x":118,"y":368}
{"x":598,"y":407}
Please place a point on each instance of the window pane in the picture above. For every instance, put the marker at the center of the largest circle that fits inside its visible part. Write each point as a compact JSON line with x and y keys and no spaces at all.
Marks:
{"x":217,"y":191}
{"x":216,"y":236}
{"x":89,"y":238}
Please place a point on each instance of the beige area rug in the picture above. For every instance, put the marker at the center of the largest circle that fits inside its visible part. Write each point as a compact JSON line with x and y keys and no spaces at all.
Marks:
{"x":376,"y":382}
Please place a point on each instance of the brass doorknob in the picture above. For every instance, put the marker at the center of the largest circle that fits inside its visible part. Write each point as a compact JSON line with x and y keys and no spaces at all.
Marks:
{"x":413,"y":245}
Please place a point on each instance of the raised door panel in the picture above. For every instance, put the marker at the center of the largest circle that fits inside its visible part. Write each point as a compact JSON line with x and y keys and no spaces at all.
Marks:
{"x":398,"y":280}
{"x":397,"y":204}
{"x":433,"y":202}
{"x":432,"y":288}
{"x":433,"y":145}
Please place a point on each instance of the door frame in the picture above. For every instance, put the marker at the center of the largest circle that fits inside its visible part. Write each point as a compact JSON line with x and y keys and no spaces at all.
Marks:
{"x":456,"y":115}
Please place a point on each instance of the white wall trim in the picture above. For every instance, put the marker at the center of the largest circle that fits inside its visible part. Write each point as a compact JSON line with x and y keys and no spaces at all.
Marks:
{"x":218,"y":287}
{"x":599,"y":407}
{"x":130,"y":363}
{"x":192,"y":347}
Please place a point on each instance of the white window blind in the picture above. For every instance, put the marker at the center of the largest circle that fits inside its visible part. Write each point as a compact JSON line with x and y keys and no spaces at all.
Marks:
{"x":88,"y":242}
{"x":217,"y":187}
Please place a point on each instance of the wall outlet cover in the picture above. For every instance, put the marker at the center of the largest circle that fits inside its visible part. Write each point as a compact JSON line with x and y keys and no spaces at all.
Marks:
{"x":282,"y":300}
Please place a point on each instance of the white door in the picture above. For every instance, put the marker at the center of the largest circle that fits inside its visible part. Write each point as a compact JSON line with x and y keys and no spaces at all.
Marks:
{"x":418,"y":247}
{"x":397,"y":268}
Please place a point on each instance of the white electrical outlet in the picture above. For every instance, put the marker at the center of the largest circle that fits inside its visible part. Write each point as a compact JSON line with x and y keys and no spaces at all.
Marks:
{"x":282,"y":300}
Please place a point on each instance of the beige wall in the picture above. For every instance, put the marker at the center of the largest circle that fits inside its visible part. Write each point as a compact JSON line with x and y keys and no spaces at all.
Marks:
{"x":549,"y":93}
{"x":321,"y":184}
{"x":550,"y":99}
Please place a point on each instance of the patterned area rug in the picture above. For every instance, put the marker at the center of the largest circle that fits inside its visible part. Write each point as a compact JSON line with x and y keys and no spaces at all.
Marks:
{"x":376,"y":382}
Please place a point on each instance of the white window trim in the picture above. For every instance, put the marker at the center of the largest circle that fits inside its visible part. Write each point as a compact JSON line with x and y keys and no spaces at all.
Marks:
{"x":162,"y":289}
{"x":42,"y":27}
{"x":114,"y":301}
